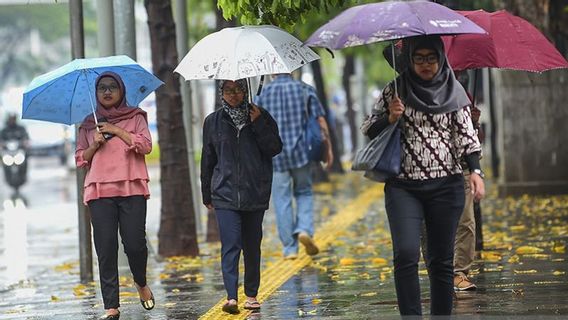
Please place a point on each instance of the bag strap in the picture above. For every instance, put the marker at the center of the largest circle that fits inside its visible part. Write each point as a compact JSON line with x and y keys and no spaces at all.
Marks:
{"x":307,"y":112}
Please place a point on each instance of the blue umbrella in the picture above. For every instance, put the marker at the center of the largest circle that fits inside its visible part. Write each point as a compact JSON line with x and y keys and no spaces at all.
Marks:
{"x":67,"y":94}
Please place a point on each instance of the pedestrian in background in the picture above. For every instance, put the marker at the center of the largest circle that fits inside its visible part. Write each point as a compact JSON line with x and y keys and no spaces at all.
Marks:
{"x":436,"y":133}
{"x":116,"y":187}
{"x":290,"y":102}
{"x":239,"y":141}
{"x":464,"y":252}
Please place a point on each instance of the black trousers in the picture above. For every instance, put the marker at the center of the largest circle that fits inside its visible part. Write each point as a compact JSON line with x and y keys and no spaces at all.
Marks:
{"x":108,"y":217}
{"x":240,"y":231}
{"x":438,"y":203}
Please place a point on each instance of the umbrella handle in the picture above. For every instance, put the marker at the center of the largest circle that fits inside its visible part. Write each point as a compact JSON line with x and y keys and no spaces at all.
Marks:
{"x":260,"y":85}
{"x":394,"y":70}
{"x":91,"y":100}
{"x":249,"y":91}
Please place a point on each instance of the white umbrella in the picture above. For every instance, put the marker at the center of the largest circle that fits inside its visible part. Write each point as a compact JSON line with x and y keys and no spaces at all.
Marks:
{"x":244,"y":52}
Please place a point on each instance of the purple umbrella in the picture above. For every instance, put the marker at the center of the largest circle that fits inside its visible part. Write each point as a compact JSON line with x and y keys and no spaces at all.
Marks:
{"x":389,"y":20}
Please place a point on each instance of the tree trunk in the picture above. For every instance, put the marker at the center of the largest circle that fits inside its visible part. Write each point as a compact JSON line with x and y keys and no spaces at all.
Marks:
{"x":559,"y":25}
{"x":177,"y":235}
{"x":348,"y":71}
{"x":320,"y":89}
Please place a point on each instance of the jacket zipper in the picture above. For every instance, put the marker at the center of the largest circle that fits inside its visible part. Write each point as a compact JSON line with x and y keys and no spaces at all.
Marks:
{"x":238,"y":168}
{"x":238,"y":161}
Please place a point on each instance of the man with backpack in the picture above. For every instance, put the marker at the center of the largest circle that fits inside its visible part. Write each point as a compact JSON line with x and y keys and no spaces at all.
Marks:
{"x":292,"y":103}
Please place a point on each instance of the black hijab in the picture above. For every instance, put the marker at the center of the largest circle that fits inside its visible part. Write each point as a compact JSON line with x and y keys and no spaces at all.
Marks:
{"x":443,"y":93}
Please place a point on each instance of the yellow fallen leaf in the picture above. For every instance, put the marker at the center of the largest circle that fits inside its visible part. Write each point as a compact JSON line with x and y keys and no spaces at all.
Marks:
{"x":316,"y":301}
{"x":423,"y":272}
{"x":513,"y":259}
{"x":379,"y":262}
{"x":528,"y":250}
{"x":80,"y":290}
{"x":559,"y":249}
{"x":68,"y":266}
{"x":369,"y":294}
{"x":530,"y":271}
{"x":518,"y":228}
{"x":365,"y":276}
{"x":164,"y":276}
{"x":347,"y":261}
{"x":128,"y":294}
{"x":176,"y":290}
{"x":383,"y":276}
{"x":54,"y":298}
{"x":491,"y":256}
{"x":558,"y":273}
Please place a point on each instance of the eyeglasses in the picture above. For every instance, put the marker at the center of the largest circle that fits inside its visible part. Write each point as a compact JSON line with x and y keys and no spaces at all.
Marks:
{"x":103,"y":88}
{"x":420,"y":59}
{"x":233,"y":91}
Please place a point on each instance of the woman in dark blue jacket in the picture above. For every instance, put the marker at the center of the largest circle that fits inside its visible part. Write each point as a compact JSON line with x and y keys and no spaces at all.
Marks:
{"x":239,"y":141}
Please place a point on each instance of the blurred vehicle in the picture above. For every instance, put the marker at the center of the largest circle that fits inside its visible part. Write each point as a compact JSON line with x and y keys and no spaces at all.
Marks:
{"x":15,"y":163}
{"x":50,"y":139}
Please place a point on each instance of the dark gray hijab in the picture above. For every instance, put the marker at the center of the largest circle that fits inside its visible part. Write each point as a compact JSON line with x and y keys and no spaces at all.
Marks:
{"x":443,"y":93}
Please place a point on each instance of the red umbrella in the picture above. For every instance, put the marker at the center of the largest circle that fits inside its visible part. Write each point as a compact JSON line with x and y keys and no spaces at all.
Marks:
{"x":511,"y":43}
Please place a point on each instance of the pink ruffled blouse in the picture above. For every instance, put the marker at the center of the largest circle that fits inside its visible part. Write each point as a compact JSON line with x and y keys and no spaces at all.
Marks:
{"x":116,"y":169}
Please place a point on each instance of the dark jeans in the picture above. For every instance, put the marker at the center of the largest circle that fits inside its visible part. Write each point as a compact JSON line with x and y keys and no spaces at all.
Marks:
{"x":439,"y":203}
{"x":127,"y":215}
{"x":240,"y":230}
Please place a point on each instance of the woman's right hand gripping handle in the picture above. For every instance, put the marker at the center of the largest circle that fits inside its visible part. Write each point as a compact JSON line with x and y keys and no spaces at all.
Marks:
{"x":396,"y":109}
{"x":98,"y":140}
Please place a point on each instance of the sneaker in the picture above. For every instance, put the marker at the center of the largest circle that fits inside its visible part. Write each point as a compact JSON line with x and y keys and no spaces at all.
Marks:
{"x":308,"y":242}
{"x":462,"y":283}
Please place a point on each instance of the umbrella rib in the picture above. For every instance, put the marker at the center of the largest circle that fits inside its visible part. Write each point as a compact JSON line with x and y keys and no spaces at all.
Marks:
{"x":417,"y":16}
{"x":71,"y":102}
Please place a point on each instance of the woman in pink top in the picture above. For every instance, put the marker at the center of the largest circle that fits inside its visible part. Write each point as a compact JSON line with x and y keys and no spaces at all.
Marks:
{"x":116,"y":187}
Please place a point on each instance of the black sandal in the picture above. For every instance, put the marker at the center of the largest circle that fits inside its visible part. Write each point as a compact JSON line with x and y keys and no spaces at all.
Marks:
{"x":148,"y":304}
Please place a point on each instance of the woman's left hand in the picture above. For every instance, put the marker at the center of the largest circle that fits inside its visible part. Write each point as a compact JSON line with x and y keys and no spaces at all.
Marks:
{"x":477,"y":186}
{"x":106,"y":127}
{"x":254,"y":112}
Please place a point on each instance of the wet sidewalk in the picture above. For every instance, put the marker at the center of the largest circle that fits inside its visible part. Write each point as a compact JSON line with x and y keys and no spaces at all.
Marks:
{"x":521,"y":272}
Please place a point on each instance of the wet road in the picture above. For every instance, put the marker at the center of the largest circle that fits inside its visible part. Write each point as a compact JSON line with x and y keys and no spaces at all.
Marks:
{"x":523,"y":270}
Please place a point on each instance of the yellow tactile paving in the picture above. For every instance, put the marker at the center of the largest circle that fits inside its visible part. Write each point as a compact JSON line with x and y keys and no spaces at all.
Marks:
{"x":273,"y":277}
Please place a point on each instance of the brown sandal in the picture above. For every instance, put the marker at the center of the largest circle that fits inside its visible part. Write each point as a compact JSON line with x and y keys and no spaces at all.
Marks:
{"x":252,"y":305}
{"x":229,"y":307}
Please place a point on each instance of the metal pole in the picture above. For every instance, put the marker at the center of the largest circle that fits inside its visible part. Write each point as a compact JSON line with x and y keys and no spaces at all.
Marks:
{"x":125,"y":29}
{"x":105,"y":26}
{"x":182,"y":47}
{"x":85,"y":248}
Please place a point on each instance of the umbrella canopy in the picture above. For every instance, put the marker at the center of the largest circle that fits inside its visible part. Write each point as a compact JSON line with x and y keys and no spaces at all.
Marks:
{"x":67,"y":94}
{"x":511,"y":43}
{"x":389,"y":20}
{"x":243,"y":52}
